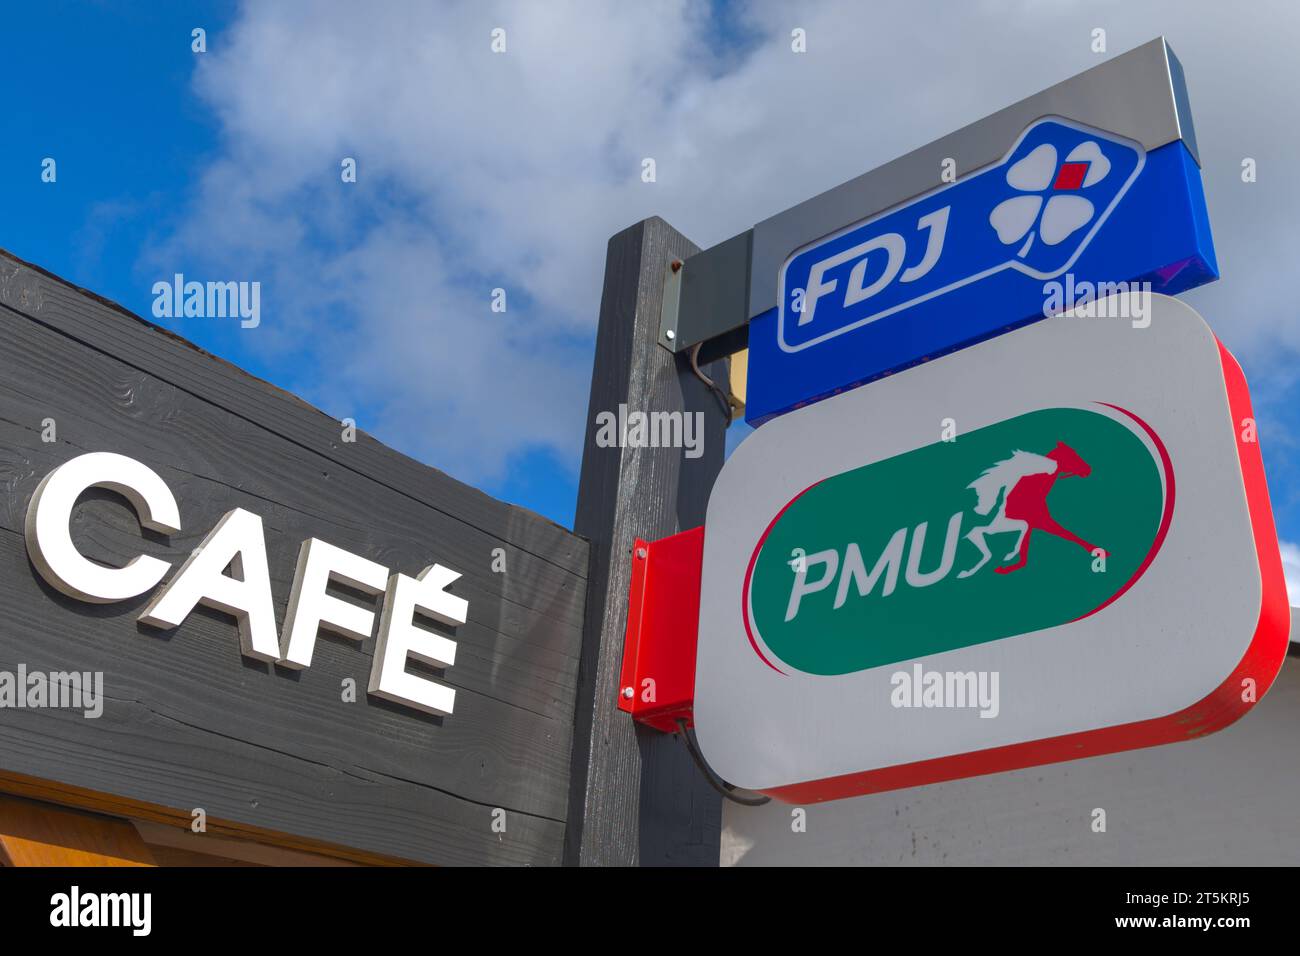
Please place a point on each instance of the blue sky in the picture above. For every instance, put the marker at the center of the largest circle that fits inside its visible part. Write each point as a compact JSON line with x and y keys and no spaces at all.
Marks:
{"x":479,"y":171}
{"x":110,"y":96}
{"x":103,"y":95}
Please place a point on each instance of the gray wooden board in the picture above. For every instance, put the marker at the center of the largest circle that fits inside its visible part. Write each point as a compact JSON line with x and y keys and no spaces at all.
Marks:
{"x":152,"y":349}
{"x":189,"y":722}
{"x":638,"y":799}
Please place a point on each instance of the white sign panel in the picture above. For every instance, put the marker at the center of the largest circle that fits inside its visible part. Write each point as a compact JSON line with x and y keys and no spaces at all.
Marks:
{"x":1054,"y":544}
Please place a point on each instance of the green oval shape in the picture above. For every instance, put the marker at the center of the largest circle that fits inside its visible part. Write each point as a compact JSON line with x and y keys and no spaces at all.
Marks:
{"x":893,"y":567}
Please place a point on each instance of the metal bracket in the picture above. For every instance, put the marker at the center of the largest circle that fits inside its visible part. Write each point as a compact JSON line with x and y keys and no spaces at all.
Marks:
{"x":668,"y":311}
{"x":709,"y":298}
{"x":657,"y":683}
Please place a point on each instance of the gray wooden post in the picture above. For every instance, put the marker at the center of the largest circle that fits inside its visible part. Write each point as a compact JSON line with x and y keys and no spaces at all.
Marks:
{"x":636,"y":797}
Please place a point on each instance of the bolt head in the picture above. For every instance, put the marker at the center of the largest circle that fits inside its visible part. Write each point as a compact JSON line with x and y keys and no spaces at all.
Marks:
{"x":628,"y":692}
{"x":670,"y":335}
{"x":641,"y":553}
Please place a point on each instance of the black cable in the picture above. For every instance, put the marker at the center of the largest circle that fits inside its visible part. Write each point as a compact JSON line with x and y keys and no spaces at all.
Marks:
{"x":728,"y":400}
{"x":724,"y":788}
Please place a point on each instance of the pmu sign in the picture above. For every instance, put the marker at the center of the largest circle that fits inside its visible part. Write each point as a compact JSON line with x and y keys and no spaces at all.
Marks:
{"x":1060,"y":205}
{"x":911,"y":593}
{"x":1053,"y":544}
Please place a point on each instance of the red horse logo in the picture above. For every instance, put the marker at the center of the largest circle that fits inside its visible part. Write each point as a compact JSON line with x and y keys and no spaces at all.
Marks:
{"x":1026,"y":479}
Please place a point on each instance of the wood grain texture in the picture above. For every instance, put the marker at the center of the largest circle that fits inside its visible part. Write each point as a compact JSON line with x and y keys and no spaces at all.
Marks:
{"x":34,"y":834}
{"x":138,"y":812}
{"x":166,"y":357}
{"x":638,"y":799}
{"x":189,"y":722}
{"x":180,"y":846}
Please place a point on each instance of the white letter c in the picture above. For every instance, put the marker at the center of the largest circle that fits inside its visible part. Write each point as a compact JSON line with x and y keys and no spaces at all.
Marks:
{"x":49,"y":538}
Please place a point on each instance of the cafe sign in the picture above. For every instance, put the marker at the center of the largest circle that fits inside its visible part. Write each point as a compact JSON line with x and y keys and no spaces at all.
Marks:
{"x":237,"y":544}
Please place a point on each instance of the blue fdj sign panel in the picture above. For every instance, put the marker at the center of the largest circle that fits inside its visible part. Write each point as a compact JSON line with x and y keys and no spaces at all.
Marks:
{"x":1068,"y":206}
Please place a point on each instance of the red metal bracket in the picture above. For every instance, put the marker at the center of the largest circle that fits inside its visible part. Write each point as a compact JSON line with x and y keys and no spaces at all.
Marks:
{"x":657,"y":683}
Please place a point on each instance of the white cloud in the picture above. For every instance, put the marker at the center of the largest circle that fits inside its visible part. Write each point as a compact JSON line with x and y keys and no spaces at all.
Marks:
{"x":1291,"y":568}
{"x":481,"y":170}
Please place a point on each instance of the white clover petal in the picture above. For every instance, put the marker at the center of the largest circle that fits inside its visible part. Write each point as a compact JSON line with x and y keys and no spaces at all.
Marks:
{"x":1064,"y":214}
{"x":1035,"y":171}
{"x":1013,"y":217}
{"x":1090,"y":153}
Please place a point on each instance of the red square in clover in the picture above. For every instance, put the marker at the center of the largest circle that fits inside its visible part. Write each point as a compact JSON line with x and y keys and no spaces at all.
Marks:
{"x":1070,"y":176}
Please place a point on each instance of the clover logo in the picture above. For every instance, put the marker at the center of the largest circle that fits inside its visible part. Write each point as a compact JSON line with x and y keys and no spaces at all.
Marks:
{"x":1050,"y":197}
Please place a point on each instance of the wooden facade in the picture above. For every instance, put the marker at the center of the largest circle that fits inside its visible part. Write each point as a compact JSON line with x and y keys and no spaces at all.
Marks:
{"x":268,"y":753}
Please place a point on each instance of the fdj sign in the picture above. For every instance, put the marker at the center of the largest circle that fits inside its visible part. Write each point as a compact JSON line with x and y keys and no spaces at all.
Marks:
{"x":1034,"y":213}
{"x":1068,"y":207}
{"x":1074,"y":513}
{"x":960,"y":543}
